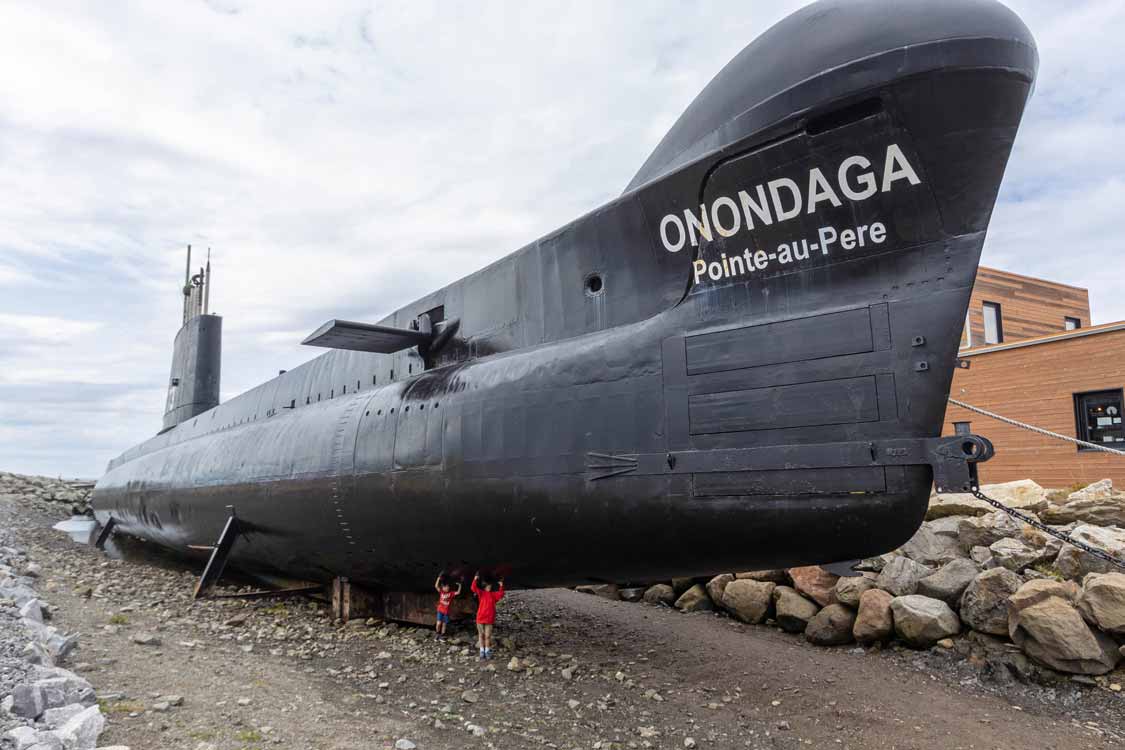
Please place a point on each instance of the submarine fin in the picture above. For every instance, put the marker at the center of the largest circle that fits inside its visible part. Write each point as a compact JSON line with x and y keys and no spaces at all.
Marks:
{"x":365,"y":337}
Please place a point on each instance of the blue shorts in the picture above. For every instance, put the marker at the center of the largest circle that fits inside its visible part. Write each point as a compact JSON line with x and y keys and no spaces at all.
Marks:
{"x":442,"y":617}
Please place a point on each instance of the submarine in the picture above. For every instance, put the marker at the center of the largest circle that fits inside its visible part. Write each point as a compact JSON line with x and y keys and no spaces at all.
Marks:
{"x":740,"y":363}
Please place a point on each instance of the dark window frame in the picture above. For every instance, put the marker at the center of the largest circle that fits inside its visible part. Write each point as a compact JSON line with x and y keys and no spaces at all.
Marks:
{"x":1081,"y":429}
{"x":999,"y":322}
{"x":1068,"y":319}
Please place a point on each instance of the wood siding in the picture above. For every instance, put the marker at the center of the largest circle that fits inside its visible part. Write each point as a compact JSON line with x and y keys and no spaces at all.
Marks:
{"x":1029,"y":307}
{"x":1036,"y":384}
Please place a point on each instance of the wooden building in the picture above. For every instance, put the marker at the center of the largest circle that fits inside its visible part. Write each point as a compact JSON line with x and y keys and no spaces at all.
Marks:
{"x":1034,"y":357}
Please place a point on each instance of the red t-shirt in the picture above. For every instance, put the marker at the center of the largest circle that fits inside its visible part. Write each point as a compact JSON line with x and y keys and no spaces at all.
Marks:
{"x":445,"y":598}
{"x":486,"y":609}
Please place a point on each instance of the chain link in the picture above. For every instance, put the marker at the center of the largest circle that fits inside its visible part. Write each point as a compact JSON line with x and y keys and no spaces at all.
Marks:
{"x":1031,"y":520}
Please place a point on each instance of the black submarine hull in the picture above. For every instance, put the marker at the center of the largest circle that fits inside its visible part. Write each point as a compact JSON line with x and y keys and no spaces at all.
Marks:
{"x":694,"y":378}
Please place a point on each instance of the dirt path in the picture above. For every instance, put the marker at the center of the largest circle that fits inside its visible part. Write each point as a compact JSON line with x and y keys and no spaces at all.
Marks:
{"x":263,"y":674}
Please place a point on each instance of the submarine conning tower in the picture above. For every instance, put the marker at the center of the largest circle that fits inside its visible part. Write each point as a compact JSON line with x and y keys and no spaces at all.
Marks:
{"x":193,"y":385}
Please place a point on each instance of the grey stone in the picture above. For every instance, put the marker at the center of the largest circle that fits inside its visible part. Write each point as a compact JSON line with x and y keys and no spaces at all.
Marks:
{"x":604,"y":590}
{"x":831,"y":626}
{"x":984,"y":604}
{"x":145,"y":639}
{"x":404,"y":745}
{"x":930,"y":548}
{"x":981,"y":556}
{"x":1015,"y":555}
{"x":22,"y":737}
{"x":28,"y":701}
{"x":54,"y":717}
{"x":82,"y":730}
{"x":791,"y":610}
{"x":661,"y":593}
{"x":949,"y":582}
{"x":1102,"y":601}
{"x":747,"y":600}
{"x":900,"y":576}
{"x":32,"y":610}
{"x":632,"y":594}
{"x":986,"y":530}
{"x":1074,"y":563}
{"x":921,"y":621}
{"x":850,"y":588}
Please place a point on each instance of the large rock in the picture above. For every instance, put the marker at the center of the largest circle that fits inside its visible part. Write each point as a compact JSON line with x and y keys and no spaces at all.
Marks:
{"x":716,"y":585}
{"x":921,"y":621}
{"x":947,"y":525}
{"x":81,"y":732}
{"x":1095,"y":505}
{"x":984,"y":604}
{"x":986,"y":530}
{"x":791,"y":610}
{"x":609,"y":591}
{"x":695,"y":599}
{"x":1102,"y":601}
{"x":950,"y":581}
{"x":901,"y":575}
{"x":1044,"y":622}
{"x":1015,"y":555}
{"x":1074,"y":563}
{"x":850,"y":588}
{"x":875,"y":620}
{"x":1023,"y":494}
{"x":815,"y":583}
{"x":747,"y":600}
{"x":780,"y":577}
{"x":1099,"y":490}
{"x":831,"y":626}
{"x":931,"y":548}
{"x":955,"y":504}
{"x":661,"y":593}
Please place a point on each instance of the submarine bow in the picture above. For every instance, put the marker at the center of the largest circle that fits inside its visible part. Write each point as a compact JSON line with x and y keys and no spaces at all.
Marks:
{"x":740,"y":363}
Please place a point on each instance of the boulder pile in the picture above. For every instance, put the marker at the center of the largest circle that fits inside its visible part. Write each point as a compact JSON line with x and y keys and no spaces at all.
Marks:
{"x":42,"y":705}
{"x":72,"y":492}
{"x":971,"y":575}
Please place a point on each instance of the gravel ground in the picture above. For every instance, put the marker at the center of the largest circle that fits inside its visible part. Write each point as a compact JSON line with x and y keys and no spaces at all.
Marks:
{"x":590,"y":673}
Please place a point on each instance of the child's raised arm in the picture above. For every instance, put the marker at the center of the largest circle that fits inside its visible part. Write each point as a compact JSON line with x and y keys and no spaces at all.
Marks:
{"x":500,"y":590}
{"x":437,"y":583}
{"x":473,"y":586}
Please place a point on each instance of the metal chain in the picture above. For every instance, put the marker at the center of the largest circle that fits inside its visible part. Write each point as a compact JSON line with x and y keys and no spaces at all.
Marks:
{"x":1032,"y":428}
{"x":1030,"y":520}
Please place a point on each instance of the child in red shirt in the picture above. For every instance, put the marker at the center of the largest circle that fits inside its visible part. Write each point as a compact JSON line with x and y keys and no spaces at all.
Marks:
{"x":486,"y":612}
{"x":446,"y":593}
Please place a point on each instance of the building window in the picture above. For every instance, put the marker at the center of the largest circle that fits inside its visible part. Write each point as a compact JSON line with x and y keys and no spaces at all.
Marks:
{"x":1098,"y":417}
{"x":967,"y":334}
{"x":1072,"y":324}
{"x":993,"y":324}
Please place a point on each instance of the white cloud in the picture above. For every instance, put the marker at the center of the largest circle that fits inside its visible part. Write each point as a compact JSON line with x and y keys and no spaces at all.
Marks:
{"x":344,"y":157}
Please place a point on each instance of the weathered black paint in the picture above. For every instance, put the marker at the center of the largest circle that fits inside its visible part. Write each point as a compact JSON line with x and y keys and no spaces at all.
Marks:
{"x":655,"y":426}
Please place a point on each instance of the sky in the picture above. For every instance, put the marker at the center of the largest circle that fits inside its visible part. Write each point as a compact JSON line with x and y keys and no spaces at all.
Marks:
{"x":342,"y":158}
